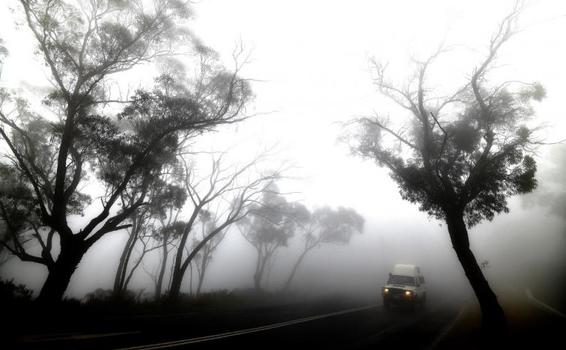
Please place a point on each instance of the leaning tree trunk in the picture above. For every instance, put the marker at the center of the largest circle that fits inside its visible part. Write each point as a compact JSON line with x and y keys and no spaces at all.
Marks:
{"x":180,"y":268}
{"x":120,"y":278}
{"x":202,"y":271}
{"x":60,"y":272}
{"x":294,"y":270}
{"x":159,"y":284}
{"x":176,"y":282}
{"x":493,"y":317}
{"x":257,"y":276}
{"x":260,"y":270}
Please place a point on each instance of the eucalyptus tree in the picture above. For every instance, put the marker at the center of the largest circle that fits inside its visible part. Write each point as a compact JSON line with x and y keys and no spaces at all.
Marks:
{"x":463,"y":156}
{"x":325,"y":226}
{"x":56,"y":148}
{"x":271,"y":224}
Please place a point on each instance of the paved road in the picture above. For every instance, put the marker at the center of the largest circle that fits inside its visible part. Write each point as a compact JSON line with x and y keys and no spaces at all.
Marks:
{"x":354,"y":330}
{"x":350,"y":328}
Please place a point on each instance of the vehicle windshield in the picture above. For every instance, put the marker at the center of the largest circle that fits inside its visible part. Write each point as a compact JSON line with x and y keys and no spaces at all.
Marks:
{"x":404,"y":280}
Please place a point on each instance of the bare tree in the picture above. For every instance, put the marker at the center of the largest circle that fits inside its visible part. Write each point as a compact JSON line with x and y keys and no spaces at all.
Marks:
{"x":459,"y":163}
{"x":231,"y":185}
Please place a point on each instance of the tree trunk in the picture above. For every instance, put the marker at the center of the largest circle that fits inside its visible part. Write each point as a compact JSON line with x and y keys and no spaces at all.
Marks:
{"x":201,"y":274}
{"x":176,"y":281}
{"x":260,"y":268}
{"x":120,"y":277}
{"x":60,"y":273}
{"x":206,"y":252}
{"x":191,"y":280}
{"x":128,"y":278}
{"x":493,"y":317}
{"x":294,"y":271}
{"x":257,"y":281}
{"x":159,"y":285}
{"x":180,"y":268}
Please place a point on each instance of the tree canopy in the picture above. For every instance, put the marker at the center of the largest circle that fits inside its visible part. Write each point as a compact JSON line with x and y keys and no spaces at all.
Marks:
{"x":468,"y":152}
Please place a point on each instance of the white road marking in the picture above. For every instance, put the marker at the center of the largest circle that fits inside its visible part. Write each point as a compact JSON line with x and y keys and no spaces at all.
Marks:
{"x":542,"y":305}
{"x":181,"y":342}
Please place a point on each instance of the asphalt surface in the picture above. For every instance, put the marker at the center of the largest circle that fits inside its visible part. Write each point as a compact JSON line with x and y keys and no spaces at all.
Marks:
{"x":284,"y":326}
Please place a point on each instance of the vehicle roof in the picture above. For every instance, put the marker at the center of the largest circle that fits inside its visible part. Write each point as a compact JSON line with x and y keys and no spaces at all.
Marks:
{"x":406,"y":270}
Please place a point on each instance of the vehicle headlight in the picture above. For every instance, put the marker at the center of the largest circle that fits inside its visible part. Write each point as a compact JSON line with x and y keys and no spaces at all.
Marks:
{"x":408,"y":293}
{"x":386,"y":290}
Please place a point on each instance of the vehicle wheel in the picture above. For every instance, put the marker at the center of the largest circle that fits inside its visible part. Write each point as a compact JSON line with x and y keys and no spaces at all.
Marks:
{"x":386,"y":305}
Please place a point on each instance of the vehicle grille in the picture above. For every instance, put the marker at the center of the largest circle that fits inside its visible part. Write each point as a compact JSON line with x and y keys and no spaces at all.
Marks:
{"x":396,"y":291}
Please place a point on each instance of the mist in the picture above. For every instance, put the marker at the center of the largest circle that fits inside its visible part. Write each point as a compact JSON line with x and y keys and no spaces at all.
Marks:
{"x":286,"y":153}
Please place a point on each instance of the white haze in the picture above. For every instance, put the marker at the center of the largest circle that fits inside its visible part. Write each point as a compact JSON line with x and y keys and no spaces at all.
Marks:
{"x":310,"y":63}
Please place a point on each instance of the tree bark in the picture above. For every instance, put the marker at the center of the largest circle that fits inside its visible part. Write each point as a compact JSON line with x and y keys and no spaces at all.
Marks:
{"x":493,"y":317}
{"x":176,"y":280}
{"x":60,"y":272}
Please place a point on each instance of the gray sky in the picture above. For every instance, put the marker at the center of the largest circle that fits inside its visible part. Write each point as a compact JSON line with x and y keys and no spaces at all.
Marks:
{"x":310,"y":60}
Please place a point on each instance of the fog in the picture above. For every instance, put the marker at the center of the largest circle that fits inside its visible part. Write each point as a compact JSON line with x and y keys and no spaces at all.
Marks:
{"x":309,"y":71}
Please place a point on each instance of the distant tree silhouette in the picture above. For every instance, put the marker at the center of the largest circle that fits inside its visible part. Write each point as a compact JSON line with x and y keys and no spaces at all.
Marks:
{"x":3,"y":54}
{"x":552,"y":192}
{"x":326,"y":226}
{"x":272,"y":222}
{"x":459,"y":164}
{"x":56,"y":148}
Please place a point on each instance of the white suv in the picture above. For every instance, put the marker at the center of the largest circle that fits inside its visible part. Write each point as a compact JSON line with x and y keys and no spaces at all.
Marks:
{"x":406,"y":285}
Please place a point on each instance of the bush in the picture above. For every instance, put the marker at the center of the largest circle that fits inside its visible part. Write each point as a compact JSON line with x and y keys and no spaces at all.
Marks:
{"x":10,"y":291}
